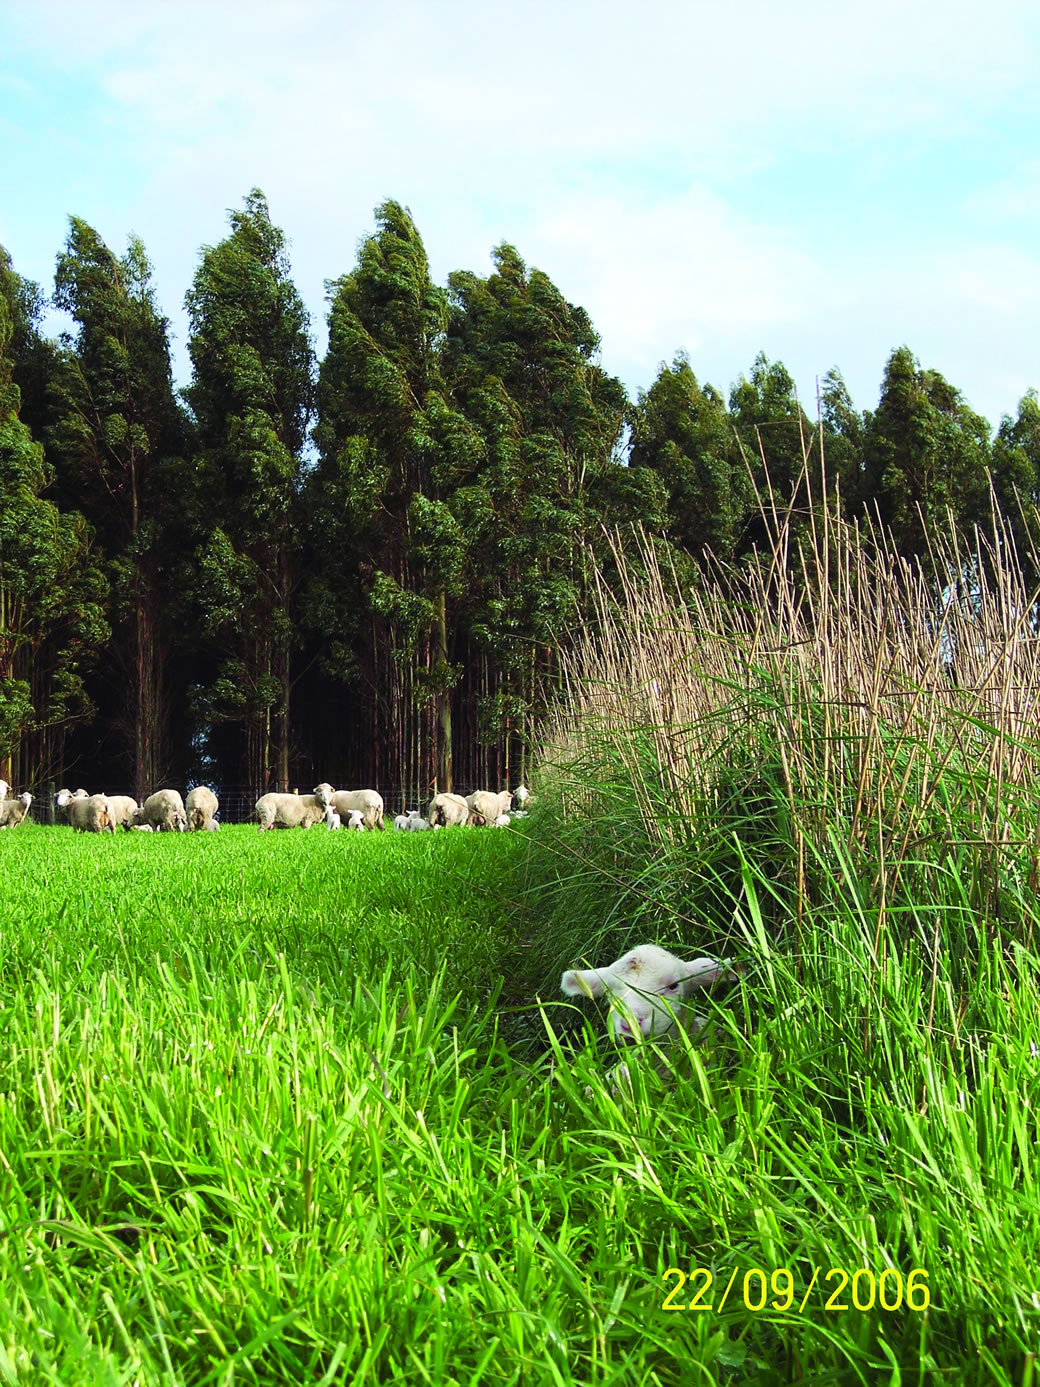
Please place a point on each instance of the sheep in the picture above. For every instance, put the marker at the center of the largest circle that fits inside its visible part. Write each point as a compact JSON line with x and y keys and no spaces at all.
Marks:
{"x":4,"y":788}
{"x":418,"y":824}
{"x":164,"y":811}
{"x":503,"y":821}
{"x":13,"y":811}
{"x":121,"y":810}
{"x":86,"y":813}
{"x":368,"y":802}
{"x":446,"y":809}
{"x":646,"y":990}
{"x":522,"y":794}
{"x":200,"y":807}
{"x":213,"y":826}
{"x":489,"y":805}
{"x":355,"y":819}
{"x":294,"y":811}
{"x":332,"y":819}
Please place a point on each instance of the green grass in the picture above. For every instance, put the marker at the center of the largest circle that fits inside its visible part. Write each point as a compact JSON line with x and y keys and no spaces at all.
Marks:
{"x":265,"y":1116}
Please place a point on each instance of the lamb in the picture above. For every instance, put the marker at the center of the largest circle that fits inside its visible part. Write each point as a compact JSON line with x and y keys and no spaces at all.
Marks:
{"x":489,"y":805}
{"x":13,"y":811}
{"x":522,"y":794}
{"x":503,"y":821}
{"x":646,"y":990}
{"x":4,"y":788}
{"x":332,"y":819}
{"x":201,"y":807}
{"x":412,"y":822}
{"x":355,"y":819}
{"x":121,"y":810}
{"x":87,"y":813}
{"x":294,"y":811}
{"x":164,"y":811}
{"x":368,"y":802}
{"x":447,"y":809}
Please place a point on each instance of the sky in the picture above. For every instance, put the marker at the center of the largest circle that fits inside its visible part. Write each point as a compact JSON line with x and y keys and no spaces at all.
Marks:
{"x":819,"y":181}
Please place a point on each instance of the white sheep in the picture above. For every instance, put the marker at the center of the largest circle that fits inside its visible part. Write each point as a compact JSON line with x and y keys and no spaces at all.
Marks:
{"x":503,"y":821}
{"x":489,"y":805}
{"x":86,"y":813}
{"x":522,"y":794}
{"x":646,"y":990}
{"x":121,"y":810}
{"x":446,"y":809}
{"x":368,"y":802}
{"x":4,"y":788}
{"x":418,"y":824}
{"x":276,"y":810}
{"x":13,"y":811}
{"x":332,"y":819}
{"x":403,"y":820}
{"x":355,"y":819}
{"x":201,"y":806}
{"x":164,"y":811}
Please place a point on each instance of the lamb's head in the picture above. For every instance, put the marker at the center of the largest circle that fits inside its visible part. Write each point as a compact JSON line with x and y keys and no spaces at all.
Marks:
{"x":645,"y":987}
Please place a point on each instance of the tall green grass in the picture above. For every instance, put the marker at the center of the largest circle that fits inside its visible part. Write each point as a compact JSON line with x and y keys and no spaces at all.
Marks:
{"x":825,"y":765}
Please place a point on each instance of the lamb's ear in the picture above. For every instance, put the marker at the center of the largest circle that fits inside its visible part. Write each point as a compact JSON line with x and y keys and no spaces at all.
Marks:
{"x":577,"y":982}
{"x":703,"y":972}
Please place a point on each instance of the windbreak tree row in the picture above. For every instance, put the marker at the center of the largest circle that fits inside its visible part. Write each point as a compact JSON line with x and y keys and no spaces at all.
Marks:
{"x":366,"y":569}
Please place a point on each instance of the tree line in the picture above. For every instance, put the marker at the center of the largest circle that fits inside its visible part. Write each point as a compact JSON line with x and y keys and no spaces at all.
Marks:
{"x":365,"y":568}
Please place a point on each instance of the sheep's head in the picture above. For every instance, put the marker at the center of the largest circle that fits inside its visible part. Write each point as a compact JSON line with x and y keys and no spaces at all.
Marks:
{"x":645,"y":988}
{"x":26,"y":798}
{"x":323,"y":794}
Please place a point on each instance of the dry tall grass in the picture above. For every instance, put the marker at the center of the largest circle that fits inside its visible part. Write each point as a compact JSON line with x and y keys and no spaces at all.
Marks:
{"x":892,"y":719}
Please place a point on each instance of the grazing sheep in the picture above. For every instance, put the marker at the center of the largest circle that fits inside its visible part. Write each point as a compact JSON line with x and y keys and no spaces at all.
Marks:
{"x":164,"y":811}
{"x":140,"y":828}
{"x":294,"y":811}
{"x":121,"y":810}
{"x":368,"y":802}
{"x":447,"y":809}
{"x":86,"y":813}
{"x":213,"y":826}
{"x":646,"y":990}
{"x":201,"y":807}
{"x":489,"y":805}
{"x":13,"y":811}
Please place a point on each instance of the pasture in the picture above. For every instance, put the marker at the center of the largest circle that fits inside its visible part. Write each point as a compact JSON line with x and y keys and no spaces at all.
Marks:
{"x":279,"y":1108}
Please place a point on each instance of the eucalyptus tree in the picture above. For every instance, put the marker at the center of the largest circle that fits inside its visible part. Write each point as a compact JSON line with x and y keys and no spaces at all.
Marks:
{"x":251,"y":397}
{"x":1016,"y":481}
{"x":523,"y":368}
{"x":114,"y":420}
{"x":51,"y":587}
{"x":682,"y":432}
{"x":392,"y":451}
{"x":925,"y":458}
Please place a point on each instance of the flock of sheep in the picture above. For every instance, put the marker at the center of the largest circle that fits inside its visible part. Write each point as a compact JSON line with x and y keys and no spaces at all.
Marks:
{"x":165,"y":811}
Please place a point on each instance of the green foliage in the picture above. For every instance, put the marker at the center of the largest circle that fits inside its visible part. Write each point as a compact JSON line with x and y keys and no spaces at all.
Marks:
{"x":925,"y":456}
{"x":682,"y":433}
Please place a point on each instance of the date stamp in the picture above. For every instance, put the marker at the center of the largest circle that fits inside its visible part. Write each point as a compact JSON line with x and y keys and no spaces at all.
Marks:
{"x":858,"y":1289}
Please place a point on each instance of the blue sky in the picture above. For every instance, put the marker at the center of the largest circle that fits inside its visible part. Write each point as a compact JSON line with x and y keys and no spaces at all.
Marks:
{"x":819,"y":181}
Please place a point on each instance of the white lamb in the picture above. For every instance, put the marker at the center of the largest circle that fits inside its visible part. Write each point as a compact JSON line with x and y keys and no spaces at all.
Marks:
{"x":368,"y":802}
{"x":201,"y":808}
{"x":646,"y":990}
{"x":294,"y":811}
{"x":447,"y":809}
{"x":13,"y":811}
{"x":355,"y":819}
{"x":4,"y":787}
{"x":332,"y":819}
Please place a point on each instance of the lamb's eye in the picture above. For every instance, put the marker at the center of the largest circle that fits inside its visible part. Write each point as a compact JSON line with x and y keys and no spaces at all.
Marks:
{"x":670,"y":987}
